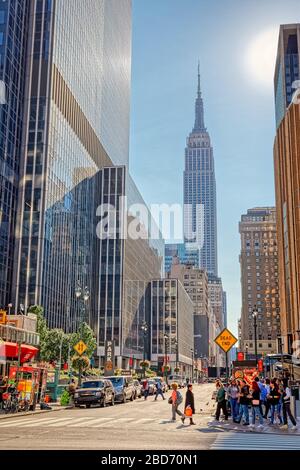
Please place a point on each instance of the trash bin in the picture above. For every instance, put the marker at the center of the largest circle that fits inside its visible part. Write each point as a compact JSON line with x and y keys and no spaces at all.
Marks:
{"x":295,"y":391}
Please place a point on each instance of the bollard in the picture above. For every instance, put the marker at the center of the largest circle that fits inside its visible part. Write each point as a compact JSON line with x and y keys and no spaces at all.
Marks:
{"x":293,"y":406}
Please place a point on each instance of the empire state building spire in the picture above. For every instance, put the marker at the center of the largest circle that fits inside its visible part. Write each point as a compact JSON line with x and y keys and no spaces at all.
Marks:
{"x":199,"y":111}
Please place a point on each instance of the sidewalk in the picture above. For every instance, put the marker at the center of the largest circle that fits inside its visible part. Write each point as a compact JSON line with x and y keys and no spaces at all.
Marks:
{"x":267,"y":429}
{"x":55,"y":407}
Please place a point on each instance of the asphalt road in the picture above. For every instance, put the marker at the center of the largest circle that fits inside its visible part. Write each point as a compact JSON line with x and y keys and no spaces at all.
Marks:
{"x":135,"y":425}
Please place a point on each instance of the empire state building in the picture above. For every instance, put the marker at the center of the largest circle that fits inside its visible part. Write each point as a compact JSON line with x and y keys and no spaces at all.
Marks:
{"x":200,"y":208}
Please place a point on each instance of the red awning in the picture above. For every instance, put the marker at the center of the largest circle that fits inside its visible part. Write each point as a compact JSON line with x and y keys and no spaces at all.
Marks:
{"x":11,"y":350}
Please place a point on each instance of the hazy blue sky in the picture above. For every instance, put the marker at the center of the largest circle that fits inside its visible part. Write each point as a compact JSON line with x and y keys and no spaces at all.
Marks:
{"x":236,"y":42}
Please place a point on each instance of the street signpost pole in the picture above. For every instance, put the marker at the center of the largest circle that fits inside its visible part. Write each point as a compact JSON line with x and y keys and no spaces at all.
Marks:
{"x":227,"y":372}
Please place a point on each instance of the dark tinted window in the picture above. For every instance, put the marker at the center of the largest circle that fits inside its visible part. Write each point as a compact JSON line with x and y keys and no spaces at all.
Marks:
{"x":93,"y":384}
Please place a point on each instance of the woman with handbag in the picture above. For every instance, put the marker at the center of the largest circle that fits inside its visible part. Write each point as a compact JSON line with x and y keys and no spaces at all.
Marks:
{"x":256,"y":405}
{"x":189,"y":406}
{"x":175,"y":400}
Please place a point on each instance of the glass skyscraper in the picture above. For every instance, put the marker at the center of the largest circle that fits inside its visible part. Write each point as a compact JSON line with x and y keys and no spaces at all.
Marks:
{"x":76,"y":121}
{"x":200,"y":191}
{"x":64,"y":142}
{"x":287,"y":68}
{"x":13,"y":43}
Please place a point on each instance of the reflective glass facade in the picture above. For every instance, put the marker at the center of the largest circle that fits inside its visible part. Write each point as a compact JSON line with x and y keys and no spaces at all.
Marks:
{"x":126,"y":268}
{"x":287,"y":68}
{"x":78,"y":90}
{"x":13,"y":42}
{"x":180,"y":250}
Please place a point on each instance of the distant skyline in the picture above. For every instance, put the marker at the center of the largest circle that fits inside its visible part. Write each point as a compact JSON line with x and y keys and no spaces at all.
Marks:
{"x":236,"y":44}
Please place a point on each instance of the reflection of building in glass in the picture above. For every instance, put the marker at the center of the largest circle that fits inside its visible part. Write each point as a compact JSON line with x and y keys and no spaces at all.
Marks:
{"x":13,"y":43}
{"x":127,"y":266}
{"x":287,"y":68}
{"x":180,"y":250}
{"x":172,"y":325}
{"x":77,"y":122}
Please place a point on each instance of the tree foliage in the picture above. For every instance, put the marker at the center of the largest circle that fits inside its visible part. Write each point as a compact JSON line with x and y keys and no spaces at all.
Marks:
{"x":55,"y":343}
{"x":80,"y":363}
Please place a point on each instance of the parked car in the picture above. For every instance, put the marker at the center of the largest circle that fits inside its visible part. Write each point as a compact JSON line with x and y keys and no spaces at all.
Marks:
{"x":152,"y":387}
{"x":124,"y":388}
{"x":97,"y":391}
{"x":138,"y":389}
{"x":176,"y":379}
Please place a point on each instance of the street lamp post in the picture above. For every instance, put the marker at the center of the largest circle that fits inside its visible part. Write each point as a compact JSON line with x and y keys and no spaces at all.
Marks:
{"x":166,"y":337}
{"x":144,"y":328}
{"x":192,"y":351}
{"x":254,"y":316}
{"x":85,"y":295}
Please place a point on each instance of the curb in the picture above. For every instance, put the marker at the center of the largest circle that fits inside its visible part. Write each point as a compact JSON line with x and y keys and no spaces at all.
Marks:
{"x":255,"y":431}
{"x":29,"y":413}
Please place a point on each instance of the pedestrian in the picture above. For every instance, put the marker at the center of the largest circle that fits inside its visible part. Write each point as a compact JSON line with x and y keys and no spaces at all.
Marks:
{"x":71,"y":390}
{"x":3,"y":388}
{"x":232,"y":394}
{"x":256,"y":403}
{"x":286,"y":406}
{"x":176,"y":400}
{"x":244,"y":400}
{"x":263,"y":394}
{"x":159,"y":390}
{"x":189,"y":404}
{"x":146,"y":389}
{"x":275,"y":398}
{"x":267,"y":402}
{"x":221,"y":401}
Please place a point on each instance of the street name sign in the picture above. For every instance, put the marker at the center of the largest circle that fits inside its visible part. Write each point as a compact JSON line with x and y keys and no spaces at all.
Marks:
{"x":80,"y":347}
{"x":225,"y":340}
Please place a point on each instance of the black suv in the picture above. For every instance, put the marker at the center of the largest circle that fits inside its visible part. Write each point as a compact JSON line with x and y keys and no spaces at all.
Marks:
{"x":124,"y":388}
{"x":96,"y":391}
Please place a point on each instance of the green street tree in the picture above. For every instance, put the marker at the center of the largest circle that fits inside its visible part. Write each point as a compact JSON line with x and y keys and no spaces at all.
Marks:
{"x":85,"y":334}
{"x":54,"y":343}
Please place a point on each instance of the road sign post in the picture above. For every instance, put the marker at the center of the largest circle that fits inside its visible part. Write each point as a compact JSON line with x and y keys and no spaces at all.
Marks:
{"x":226,"y":340}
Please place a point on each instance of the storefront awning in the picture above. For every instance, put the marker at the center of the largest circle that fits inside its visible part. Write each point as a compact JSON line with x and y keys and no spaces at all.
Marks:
{"x":10,"y":350}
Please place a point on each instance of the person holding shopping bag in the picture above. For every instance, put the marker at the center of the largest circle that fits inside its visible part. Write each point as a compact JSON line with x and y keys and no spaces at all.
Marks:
{"x":189,"y":406}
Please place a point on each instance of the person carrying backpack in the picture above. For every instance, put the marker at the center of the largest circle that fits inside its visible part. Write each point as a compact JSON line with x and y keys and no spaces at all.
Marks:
{"x":221,"y":401}
{"x":176,"y":399}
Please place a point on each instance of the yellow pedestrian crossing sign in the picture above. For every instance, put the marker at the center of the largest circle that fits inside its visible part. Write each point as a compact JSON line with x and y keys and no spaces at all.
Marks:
{"x":225,"y":340}
{"x":80,"y":347}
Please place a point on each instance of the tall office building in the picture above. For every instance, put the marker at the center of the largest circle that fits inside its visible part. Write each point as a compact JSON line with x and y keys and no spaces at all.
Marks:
{"x":195,"y":283}
{"x":259,"y":277}
{"x":13,"y":44}
{"x":287,"y":177}
{"x":171,"y":326}
{"x":286,"y":69}
{"x":65,"y":134}
{"x":200,"y":213}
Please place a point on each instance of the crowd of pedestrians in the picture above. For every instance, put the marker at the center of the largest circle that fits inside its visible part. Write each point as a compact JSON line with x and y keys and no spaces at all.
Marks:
{"x":266,"y":401}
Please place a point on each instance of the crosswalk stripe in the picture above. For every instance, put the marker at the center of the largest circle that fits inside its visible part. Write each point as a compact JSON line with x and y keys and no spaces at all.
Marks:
{"x":65,"y":422}
{"x":23,"y":422}
{"x":144,"y":420}
{"x":44,"y":422}
{"x":257,"y":442}
{"x":100,"y":422}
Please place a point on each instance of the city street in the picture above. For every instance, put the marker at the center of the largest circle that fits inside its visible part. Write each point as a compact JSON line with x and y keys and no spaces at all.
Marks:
{"x":137,"y":425}
{"x":142,"y":425}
